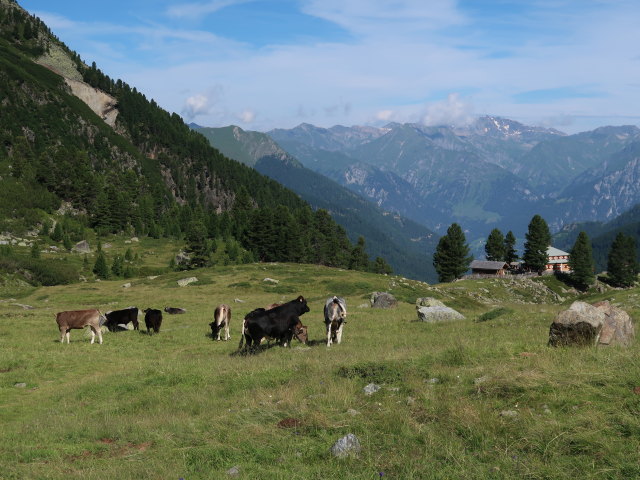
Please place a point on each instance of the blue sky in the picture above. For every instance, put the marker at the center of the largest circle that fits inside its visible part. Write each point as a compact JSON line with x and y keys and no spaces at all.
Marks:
{"x":263,"y":64}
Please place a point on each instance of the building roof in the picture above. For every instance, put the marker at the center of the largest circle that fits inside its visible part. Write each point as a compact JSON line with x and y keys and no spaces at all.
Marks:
{"x":555,"y":252}
{"x":488,"y":265}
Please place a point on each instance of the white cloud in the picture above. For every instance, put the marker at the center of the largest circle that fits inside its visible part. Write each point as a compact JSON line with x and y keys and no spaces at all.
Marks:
{"x":452,"y":111}
{"x":247,"y":116}
{"x":197,"y":10}
{"x":201,"y":103}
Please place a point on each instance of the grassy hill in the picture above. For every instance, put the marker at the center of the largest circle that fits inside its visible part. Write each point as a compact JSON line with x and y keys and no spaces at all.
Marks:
{"x":458,"y":400}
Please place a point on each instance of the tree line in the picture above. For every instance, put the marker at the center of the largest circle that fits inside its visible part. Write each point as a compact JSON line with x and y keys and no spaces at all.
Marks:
{"x":452,"y":258}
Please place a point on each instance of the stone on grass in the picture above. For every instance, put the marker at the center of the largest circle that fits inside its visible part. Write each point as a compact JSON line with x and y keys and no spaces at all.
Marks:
{"x":186,"y":281}
{"x":347,"y":445}
{"x":234,"y":471}
{"x":371,"y":389}
{"x":383,"y":300}
{"x":438,"y":314}
{"x":590,"y":325}
{"x":428,"y":302}
{"x":271,"y":280}
{"x":82,"y":247}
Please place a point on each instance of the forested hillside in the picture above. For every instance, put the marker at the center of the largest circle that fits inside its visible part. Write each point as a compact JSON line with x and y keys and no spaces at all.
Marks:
{"x":146,"y":173}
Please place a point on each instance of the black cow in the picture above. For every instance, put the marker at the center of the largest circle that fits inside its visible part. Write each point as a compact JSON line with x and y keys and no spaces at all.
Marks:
{"x":152,"y":320}
{"x":122,"y":317}
{"x":174,"y":310}
{"x":277,"y":323}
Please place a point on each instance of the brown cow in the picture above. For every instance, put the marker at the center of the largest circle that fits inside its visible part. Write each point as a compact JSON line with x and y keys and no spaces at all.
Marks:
{"x":221,"y":318}
{"x":79,"y":319}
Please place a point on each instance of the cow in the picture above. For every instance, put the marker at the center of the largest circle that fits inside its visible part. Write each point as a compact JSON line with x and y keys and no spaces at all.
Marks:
{"x":79,"y":319}
{"x":278,"y":323}
{"x":299,"y":332}
{"x":221,"y":318}
{"x":152,"y":320}
{"x":335,"y":316}
{"x":174,"y":310}
{"x":122,"y":317}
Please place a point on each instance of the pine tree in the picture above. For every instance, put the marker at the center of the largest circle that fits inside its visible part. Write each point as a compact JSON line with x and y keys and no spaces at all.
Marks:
{"x":359,"y":259}
{"x":510,"y":254}
{"x":452,"y":258}
{"x":117,"y":266}
{"x":100,"y":268}
{"x":538,"y":239}
{"x":35,"y":250}
{"x":581,"y":263}
{"x":495,"y":246}
{"x":622,"y":265}
{"x":197,"y":245}
{"x":381,"y":266}
{"x":57,"y":233}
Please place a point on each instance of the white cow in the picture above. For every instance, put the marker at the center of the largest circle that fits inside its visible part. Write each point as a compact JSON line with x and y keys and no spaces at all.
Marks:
{"x":335,"y":316}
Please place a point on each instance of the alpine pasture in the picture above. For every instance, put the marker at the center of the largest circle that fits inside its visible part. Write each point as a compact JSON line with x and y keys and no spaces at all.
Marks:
{"x":484,"y":397}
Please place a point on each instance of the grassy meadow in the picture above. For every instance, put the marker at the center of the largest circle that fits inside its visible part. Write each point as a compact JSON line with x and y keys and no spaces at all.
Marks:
{"x":479,"y":398}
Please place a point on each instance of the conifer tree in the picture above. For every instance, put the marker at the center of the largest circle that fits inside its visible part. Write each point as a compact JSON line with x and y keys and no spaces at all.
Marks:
{"x":197,"y":245}
{"x":381,"y":266}
{"x":57,"y":233}
{"x":622,"y":264}
{"x":510,"y":254}
{"x":538,"y":239}
{"x":35,"y":250}
{"x":495,"y":246}
{"x":452,"y":258}
{"x":359,"y":259}
{"x":581,"y":263}
{"x":100,"y":268}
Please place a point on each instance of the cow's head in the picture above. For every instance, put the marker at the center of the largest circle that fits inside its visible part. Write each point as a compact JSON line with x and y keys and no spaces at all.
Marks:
{"x":303,"y":304}
{"x":300,"y":332}
{"x":215,"y":328}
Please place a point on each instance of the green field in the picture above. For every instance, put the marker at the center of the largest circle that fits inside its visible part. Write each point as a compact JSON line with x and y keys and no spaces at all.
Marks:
{"x":464,"y":400}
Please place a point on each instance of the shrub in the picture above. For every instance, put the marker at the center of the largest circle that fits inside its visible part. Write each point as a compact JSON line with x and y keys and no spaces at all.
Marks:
{"x":495,"y":313}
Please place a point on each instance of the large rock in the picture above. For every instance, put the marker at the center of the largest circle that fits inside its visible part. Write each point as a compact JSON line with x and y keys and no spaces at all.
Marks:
{"x":598,"y":324}
{"x":438,"y":314}
{"x":186,"y":281}
{"x":82,"y":247}
{"x":383,"y":300}
{"x":618,"y":328}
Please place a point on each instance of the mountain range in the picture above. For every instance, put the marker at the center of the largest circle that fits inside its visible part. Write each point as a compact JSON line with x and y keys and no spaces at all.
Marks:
{"x":495,"y":173}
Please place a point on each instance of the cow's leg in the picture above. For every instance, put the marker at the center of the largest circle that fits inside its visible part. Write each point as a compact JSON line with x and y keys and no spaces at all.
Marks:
{"x":328,"y":334}
{"x":339,"y":334}
{"x":68,"y":335}
{"x":99,"y":332}
{"x":62,"y":333}
{"x":93,"y":334}
{"x":227,"y":335}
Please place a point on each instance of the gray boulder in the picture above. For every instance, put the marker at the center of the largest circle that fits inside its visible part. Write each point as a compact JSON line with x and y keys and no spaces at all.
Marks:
{"x":82,"y":247}
{"x":383,"y":300}
{"x":618,"y":328}
{"x":581,"y":324}
{"x":438,"y":314}
{"x":348,"y":445}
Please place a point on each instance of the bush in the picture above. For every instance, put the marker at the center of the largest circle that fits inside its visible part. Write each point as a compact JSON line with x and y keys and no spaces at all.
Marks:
{"x":495,"y":313}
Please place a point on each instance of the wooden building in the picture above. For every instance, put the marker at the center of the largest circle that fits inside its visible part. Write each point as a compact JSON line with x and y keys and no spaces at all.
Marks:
{"x":489,"y":267}
{"x":558,"y":260}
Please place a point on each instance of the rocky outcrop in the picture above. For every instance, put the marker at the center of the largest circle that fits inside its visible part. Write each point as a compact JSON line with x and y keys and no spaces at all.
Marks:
{"x":432,"y":310}
{"x":383,"y":300}
{"x":585,"y":324}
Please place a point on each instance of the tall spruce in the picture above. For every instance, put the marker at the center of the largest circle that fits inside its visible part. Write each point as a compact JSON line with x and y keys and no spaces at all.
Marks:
{"x":510,"y":253}
{"x":359,"y":259}
{"x":495,"y":247}
{"x":622,"y":265}
{"x":452,"y":258}
{"x":100,"y":268}
{"x":581,"y":263}
{"x":538,"y":239}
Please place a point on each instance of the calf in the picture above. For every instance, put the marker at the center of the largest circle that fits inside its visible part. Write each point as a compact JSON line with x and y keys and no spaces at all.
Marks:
{"x":79,"y":319}
{"x":278,"y":323}
{"x":152,"y":320}
{"x":122,"y":317}
{"x":335,"y":316}
{"x":174,"y":310}
{"x":221,"y":318}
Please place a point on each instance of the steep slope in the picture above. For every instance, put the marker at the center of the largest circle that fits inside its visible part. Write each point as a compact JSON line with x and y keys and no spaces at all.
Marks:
{"x":407,"y":246}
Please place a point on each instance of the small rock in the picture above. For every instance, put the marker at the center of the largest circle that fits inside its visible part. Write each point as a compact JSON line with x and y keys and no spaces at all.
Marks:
{"x":433,"y":380}
{"x":353,"y":412}
{"x":271,"y":280}
{"x":135,"y":239}
{"x":237,"y":300}
{"x":20,"y":385}
{"x":234,"y":471}
{"x":347,"y":445}
{"x":636,"y":390}
{"x":127,"y":285}
{"x":480,"y":380}
{"x":371,"y":389}
{"x":509,"y":413}
{"x":411,"y":401}
{"x":186,"y":281}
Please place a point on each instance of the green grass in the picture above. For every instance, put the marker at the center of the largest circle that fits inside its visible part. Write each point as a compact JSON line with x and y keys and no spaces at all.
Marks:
{"x":180,"y":405}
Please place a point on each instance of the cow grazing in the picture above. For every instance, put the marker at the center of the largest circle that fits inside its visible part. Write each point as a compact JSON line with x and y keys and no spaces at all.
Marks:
{"x":335,"y":316}
{"x":152,"y":320}
{"x":79,"y":319}
{"x":174,"y":310}
{"x":221,"y":318}
{"x":122,"y":317}
{"x":278,"y":323}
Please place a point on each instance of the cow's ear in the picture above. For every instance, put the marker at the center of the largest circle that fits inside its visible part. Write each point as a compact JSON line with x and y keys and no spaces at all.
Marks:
{"x":301,"y":298}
